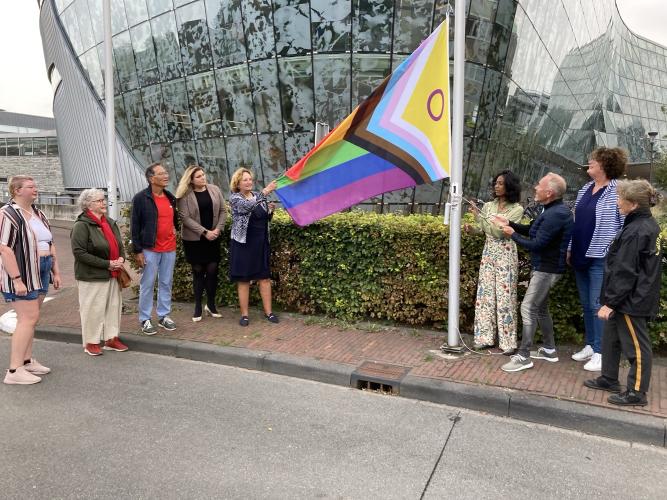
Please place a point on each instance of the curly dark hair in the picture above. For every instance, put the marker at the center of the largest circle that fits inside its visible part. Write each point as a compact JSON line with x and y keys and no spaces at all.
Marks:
{"x":612,"y":160}
{"x":512,"y":186}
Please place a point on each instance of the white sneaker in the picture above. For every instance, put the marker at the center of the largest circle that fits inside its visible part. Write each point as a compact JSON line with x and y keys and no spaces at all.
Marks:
{"x":595,"y":363}
{"x":584,"y":355}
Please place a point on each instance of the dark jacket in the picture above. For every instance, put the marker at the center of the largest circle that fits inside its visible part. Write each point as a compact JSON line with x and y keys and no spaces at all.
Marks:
{"x":631,"y":283}
{"x":548,"y":237}
{"x":91,"y":249}
{"x":143,"y":223}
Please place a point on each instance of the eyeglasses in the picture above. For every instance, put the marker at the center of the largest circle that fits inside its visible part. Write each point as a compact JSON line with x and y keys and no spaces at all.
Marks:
{"x":102,"y":200}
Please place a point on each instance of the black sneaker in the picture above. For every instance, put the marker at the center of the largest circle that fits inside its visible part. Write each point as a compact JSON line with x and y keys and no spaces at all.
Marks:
{"x":244,"y":321}
{"x":272,"y":318}
{"x":147,"y":328}
{"x":601,"y":384}
{"x":628,"y":398}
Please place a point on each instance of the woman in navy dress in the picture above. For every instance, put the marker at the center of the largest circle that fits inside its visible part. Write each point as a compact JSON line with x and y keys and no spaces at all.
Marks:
{"x":249,"y":249}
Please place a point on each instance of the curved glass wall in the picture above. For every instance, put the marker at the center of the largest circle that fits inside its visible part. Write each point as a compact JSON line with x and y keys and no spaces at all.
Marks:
{"x":230,"y":83}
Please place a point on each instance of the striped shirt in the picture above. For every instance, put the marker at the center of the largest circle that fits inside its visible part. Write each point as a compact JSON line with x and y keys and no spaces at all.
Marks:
{"x":15,"y":233}
{"x":608,"y":220}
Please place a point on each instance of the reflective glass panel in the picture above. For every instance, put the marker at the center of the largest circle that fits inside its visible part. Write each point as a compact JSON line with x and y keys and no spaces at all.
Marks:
{"x":96,"y":18}
{"x":85,"y":26}
{"x":204,"y":105}
{"x":161,"y":152}
{"x":297,"y":144}
{"x":372,"y":25}
{"x":184,"y":154}
{"x":144,"y":52}
{"x":71,"y":26}
{"x":193,"y":35}
{"x":409,"y":26}
{"x":369,"y":70}
{"x":225,"y":26}
{"x":124,"y":58}
{"x":3,"y":147}
{"x":165,"y":38}
{"x":331,"y":23}
{"x":332,"y":87}
{"x":235,"y":100}
{"x":12,"y":147}
{"x":257,"y":20}
{"x":52,"y":146}
{"x":213,"y":159}
{"x":135,"y":117}
{"x":243,"y":151}
{"x":136,"y":11}
{"x":25,"y":147}
{"x":271,"y":147}
{"x":39,"y":146}
{"x":296,"y":87}
{"x":292,"y":27}
{"x":177,"y":112}
{"x":120,"y":116}
{"x":118,"y":19}
{"x":91,"y":66}
{"x":264,"y":78}
{"x":157,"y":7}
{"x":155,"y":111}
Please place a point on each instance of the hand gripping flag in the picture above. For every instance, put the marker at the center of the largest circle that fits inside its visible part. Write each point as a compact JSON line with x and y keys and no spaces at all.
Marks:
{"x":397,"y":138}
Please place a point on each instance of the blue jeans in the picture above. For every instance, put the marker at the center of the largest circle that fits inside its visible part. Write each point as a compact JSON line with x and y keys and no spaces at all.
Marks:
{"x":158,"y":265}
{"x":589,"y":285}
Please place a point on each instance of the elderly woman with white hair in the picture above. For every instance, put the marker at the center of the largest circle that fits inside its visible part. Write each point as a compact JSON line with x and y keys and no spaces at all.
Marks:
{"x":98,"y":257}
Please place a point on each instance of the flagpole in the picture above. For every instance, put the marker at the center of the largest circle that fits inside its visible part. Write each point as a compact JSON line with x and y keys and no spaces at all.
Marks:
{"x":109,"y":102}
{"x":456,"y":178}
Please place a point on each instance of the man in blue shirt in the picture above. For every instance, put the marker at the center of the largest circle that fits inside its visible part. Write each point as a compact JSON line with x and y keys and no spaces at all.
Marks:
{"x":547,"y":239}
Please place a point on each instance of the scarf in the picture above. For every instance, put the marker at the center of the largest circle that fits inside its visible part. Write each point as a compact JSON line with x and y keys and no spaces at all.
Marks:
{"x":114,"y":251}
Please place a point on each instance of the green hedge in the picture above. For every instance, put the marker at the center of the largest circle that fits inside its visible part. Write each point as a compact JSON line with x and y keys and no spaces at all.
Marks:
{"x":359,"y":265}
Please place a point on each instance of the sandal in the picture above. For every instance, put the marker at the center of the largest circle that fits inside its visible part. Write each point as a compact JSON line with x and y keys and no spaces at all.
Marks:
{"x":244,"y":321}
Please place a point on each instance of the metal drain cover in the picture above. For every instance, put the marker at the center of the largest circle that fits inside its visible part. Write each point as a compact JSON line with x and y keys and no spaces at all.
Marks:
{"x":379,"y":377}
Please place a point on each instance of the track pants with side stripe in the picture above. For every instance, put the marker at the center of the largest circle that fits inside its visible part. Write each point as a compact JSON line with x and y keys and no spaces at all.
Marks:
{"x":627,"y":334}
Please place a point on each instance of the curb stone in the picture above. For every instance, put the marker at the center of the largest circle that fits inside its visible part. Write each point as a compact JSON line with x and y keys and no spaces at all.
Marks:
{"x":572,"y":415}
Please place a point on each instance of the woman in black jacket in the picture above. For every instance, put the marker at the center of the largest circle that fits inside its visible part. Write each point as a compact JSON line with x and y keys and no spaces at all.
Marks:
{"x":630,"y":295}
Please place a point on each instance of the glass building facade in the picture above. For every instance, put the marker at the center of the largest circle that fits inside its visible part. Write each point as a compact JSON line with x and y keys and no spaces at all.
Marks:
{"x":231,"y":83}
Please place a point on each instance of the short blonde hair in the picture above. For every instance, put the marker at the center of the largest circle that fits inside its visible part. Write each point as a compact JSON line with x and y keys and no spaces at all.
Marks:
{"x":185,"y":184}
{"x":638,"y":191}
{"x":16,"y":182}
{"x":87,"y":197}
{"x":236,"y":179}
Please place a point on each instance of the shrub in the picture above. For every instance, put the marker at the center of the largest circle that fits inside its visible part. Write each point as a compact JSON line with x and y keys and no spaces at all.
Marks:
{"x":359,"y":265}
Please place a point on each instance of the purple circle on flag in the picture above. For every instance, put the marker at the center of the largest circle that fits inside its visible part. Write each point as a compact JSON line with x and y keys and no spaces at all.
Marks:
{"x":442,"y":104}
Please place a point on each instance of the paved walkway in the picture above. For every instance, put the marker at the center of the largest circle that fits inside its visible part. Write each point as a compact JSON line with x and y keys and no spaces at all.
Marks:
{"x":322,"y":339}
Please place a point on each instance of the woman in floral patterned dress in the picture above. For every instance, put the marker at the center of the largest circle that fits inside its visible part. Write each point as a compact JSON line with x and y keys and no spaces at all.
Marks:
{"x":496,"y":303}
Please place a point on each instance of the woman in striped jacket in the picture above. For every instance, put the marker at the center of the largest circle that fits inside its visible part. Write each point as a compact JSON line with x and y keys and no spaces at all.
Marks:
{"x":596,"y":223}
{"x":28,"y":262}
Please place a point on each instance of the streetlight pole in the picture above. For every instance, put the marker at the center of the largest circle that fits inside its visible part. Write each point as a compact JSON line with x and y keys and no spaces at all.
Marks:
{"x":651,"y":141}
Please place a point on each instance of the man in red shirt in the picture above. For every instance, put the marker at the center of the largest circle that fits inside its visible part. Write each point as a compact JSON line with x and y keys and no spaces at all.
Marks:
{"x":153,"y":226}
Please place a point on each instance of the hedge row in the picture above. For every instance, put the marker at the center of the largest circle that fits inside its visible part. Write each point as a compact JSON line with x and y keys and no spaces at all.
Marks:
{"x":359,"y":265}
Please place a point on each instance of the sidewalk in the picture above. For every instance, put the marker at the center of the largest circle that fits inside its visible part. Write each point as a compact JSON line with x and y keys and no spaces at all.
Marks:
{"x":316,"y":348}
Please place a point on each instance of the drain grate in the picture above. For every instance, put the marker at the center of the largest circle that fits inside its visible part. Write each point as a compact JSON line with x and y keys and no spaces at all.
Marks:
{"x":379,"y":377}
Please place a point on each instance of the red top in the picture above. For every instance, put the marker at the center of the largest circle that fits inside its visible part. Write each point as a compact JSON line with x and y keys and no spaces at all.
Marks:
{"x":165,"y":240}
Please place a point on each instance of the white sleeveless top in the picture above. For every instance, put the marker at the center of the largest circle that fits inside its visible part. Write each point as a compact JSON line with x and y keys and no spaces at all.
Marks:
{"x":43,"y":235}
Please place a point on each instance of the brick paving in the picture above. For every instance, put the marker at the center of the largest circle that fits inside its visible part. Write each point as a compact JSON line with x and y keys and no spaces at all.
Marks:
{"x":320,"y":338}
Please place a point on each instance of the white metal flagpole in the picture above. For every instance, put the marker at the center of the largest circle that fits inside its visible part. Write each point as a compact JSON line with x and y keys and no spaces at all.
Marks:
{"x":456,"y":177}
{"x":111,"y":126}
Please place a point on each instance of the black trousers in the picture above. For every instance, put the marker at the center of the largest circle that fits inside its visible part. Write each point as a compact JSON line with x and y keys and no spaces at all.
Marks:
{"x":627,"y":334}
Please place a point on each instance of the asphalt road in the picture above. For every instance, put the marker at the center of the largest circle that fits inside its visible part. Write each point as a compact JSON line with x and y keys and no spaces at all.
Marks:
{"x":133,"y":425}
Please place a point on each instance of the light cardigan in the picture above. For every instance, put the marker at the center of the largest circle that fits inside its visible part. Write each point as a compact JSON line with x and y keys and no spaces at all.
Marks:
{"x":241,"y":210}
{"x":608,"y":220}
{"x":513,"y":212}
{"x":188,"y":211}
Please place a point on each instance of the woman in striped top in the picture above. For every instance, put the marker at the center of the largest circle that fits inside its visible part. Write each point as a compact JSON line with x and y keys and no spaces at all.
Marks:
{"x":28,"y":261}
{"x":596,"y":223}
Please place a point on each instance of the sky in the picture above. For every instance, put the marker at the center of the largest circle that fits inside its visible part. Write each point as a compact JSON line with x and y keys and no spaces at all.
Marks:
{"x":24,"y":87}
